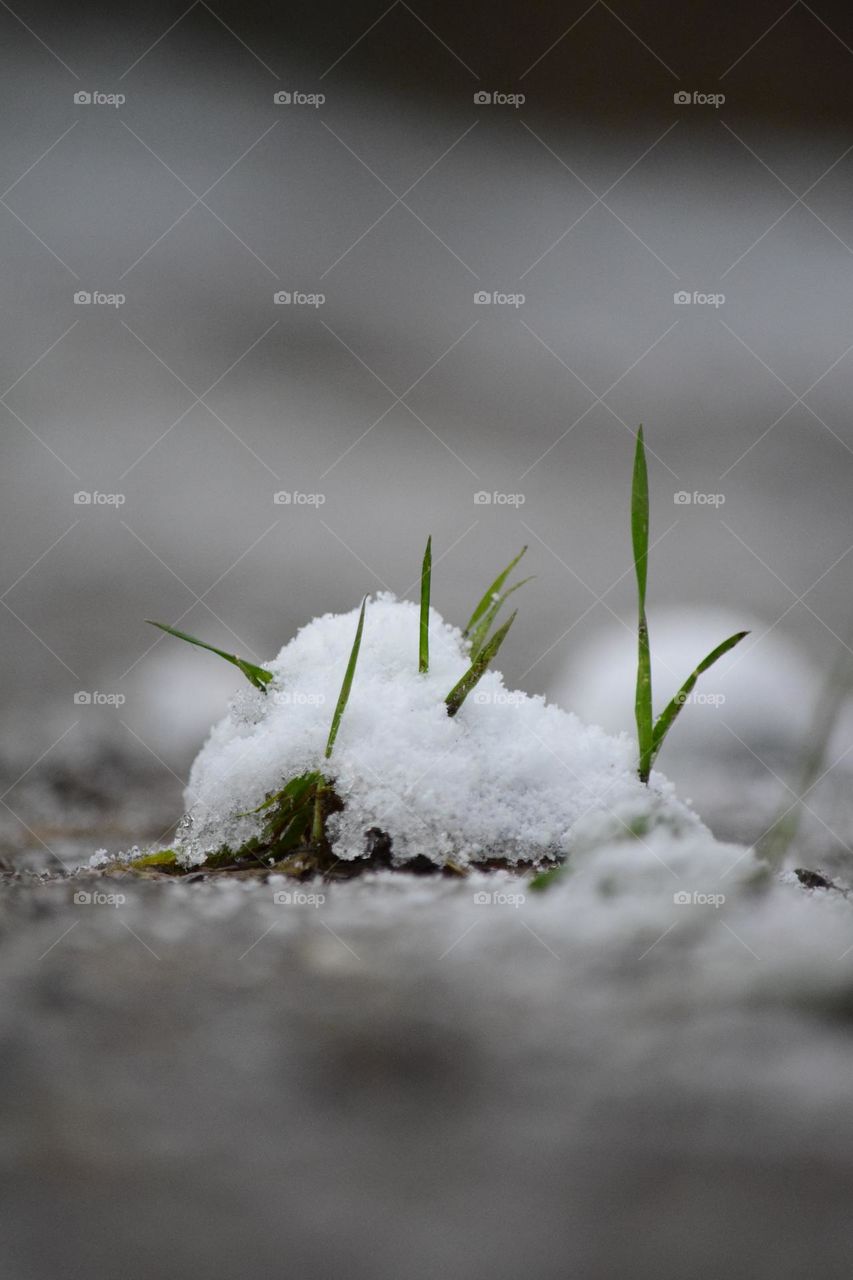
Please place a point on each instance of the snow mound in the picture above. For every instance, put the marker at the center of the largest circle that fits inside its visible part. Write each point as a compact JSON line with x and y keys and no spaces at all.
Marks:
{"x":508,"y":777}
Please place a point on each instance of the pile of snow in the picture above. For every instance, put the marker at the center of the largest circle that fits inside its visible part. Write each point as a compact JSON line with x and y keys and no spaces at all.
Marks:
{"x":508,"y":777}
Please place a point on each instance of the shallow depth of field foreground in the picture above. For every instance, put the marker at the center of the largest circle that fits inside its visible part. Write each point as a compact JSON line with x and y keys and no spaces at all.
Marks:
{"x":426,"y":641}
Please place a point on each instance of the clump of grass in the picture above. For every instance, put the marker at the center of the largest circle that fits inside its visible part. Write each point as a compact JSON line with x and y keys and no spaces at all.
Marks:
{"x":295,"y":817}
{"x":651,"y":733}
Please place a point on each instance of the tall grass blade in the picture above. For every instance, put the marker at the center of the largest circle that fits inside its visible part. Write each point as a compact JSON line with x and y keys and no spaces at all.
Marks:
{"x":478,"y":636}
{"x":254,"y":674}
{"x":478,"y":668}
{"x":493,"y":590}
{"x":640,"y":543}
{"x":667,"y":717}
{"x":343,"y":696}
{"x":426,"y":578}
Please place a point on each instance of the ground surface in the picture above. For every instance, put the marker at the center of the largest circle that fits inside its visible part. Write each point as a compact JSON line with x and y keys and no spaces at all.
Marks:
{"x":400,"y":1080}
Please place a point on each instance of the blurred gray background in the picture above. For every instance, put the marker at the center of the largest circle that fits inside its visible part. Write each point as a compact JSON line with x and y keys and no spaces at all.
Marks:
{"x":398,"y":399}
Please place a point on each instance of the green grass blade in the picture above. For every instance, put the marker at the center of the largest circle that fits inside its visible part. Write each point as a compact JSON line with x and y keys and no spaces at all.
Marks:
{"x":545,"y":879}
{"x":288,"y":795}
{"x":493,"y":590}
{"x":294,"y":832}
{"x":254,"y":674}
{"x":343,"y":696}
{"x":477,"y":669}
{"x":478,"y":636}
{"x":160,"y":858}
{"x":640,"y":543}
{"x":426,"y":578}
{"x":667,"y":716}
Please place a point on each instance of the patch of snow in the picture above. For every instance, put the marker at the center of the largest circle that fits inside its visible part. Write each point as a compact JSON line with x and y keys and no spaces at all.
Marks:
{"x":508,"y":777}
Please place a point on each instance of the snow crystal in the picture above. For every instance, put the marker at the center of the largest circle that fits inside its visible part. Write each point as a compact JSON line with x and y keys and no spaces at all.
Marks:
{"x":508,"y":777}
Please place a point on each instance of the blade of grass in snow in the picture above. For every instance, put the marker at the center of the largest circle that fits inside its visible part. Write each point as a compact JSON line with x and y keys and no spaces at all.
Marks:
{"x":426,"y":577}
{"x":343,"y":696}
{"x":318,"y":825}
{"x":667,"y":716}
{"x":479,"y":634}
{"x":640,"y":543}
{"x":254,"y":674}
{"x":289,"y":794}
{"x":650,"y":733}
{"x":478,"y":668}
{"x":493,"y":590}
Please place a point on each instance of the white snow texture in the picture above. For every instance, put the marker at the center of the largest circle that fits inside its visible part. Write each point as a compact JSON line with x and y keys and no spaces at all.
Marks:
{"x":508,"y":777}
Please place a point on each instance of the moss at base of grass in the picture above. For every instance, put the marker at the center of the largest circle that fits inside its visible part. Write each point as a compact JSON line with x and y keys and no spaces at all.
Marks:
{"x":255,"y":859}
